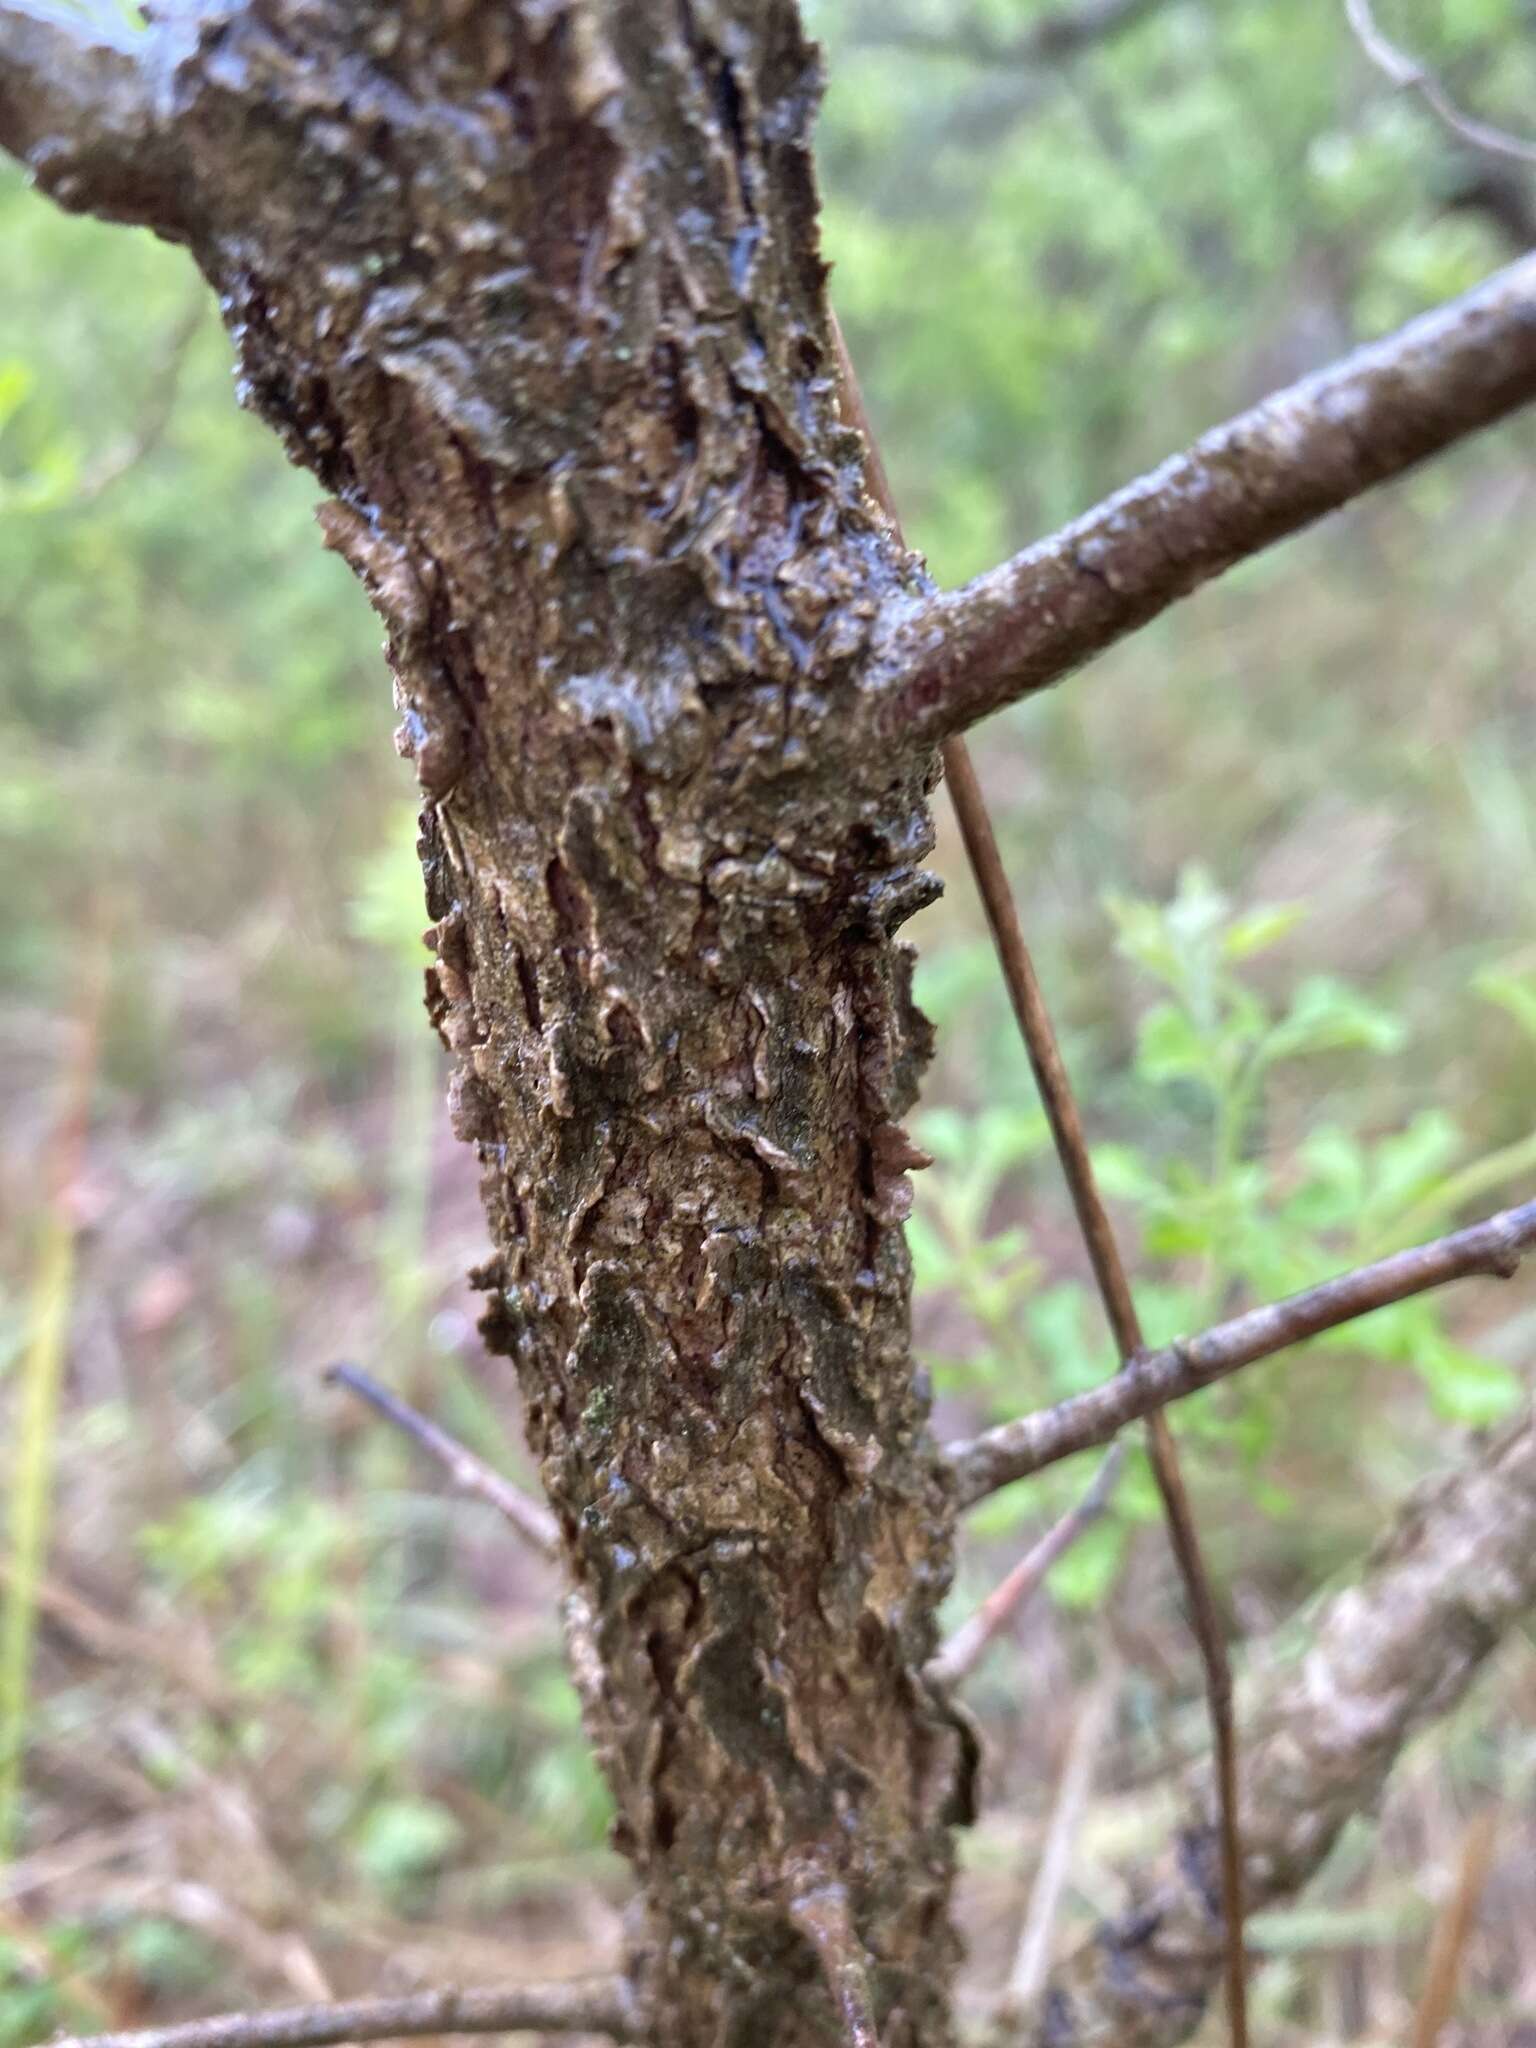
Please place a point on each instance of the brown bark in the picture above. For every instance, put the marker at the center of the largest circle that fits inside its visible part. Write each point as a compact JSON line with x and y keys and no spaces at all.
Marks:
{"x":534,"y":292}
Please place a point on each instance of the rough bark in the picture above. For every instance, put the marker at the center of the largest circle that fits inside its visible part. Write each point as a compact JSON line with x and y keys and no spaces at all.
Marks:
{"x":534,"y":291}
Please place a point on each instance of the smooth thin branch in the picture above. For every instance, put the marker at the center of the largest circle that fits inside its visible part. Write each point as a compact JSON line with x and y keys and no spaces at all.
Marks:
{"x":471,"y":1475}
{"x":1153,"y":1379}
{"x":1065,"y":1119}
{"x":581,"y":2005}
{"x":1114,"y":1287}
{"x":1409,"y":75}
{"x":1031,"y":1963}
{"x":156,"y":408}
{"x":84,"y":104}
{"x":954,"y":658}
{"x":958,"y":1658}
{"x":1054,"y":38}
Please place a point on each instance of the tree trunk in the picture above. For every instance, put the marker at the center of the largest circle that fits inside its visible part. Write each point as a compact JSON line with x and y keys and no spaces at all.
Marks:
{"x":534,"y":291}
{"x":536,"y":295}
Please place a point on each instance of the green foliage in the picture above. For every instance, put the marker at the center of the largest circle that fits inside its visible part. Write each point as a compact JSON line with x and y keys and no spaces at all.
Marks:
{"x":1221,"y":1216}
{"x":1090,"y":257}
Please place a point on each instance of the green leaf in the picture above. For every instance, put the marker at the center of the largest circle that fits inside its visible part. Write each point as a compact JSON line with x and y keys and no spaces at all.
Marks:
{"x":1332,"y":1196}
{"x":1075,"y":1353}
{"x":1329,"y":1016}
{"x":1168,"y":1048}
{"x":1464,"y":1387}
{"x":1512,"y":992}
{"x":1257,"y":930}
{"x":403,"y":1838}
{"x":1406,"y":1165}
{"x":1084,"y":1576}
{"x":1124,"y":1175}
{"x":16,"y":383}
{"x":1141,"y":935}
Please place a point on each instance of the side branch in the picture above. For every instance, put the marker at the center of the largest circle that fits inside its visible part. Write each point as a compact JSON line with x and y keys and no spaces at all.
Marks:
{"x":1152,"y":1379}
{"x":583,"y":2005}
{"x":1393,"y":1653}
{"x":84,"y":105}
{"x":1054,"y":39}
{"x":1266,"y":474}
{"x":530,"y":1518}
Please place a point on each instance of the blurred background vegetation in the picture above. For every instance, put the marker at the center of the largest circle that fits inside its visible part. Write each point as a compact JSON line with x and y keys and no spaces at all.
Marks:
{"x":295,"y":1719}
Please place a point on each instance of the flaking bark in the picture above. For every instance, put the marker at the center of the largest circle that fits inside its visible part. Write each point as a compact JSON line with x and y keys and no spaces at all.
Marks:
{"x":535,"y":293}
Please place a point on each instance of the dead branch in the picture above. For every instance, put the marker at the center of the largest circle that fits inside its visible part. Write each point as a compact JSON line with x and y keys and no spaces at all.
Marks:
{"x":1053,"y":39}
{"x":471,"y":1475}
{"x":956,"y":657}
{"x":1032,"y":1960}
{"x":1153,"y":1379}
{"x":156,"y":408}
{"x":1125,"y":1325}
{"x":1409,"y":75}
{"x":83,"y":103}
{"x":958,"y":1658}
{"x":1049,"y":1069}
{"x":1393,"y":1653}
{"x":590,"y":2005}
{"x":1448,"y":1947}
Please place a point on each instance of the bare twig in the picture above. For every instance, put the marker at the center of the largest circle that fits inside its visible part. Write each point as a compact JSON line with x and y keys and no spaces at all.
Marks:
{"x":471,"y":1475}
{"x":1125,"y":1325}
{"x":33,"y":1451}
{"x":1066,"y":1124}
{"x":592,"y":2005}
{"x":156,"y":408}
{"x":1054,"y":38}
{"x":1449,"y":1946}
{"x":1304,"y":452}
{"x":1392,"y":1653}
{"x":1155,"y":1378}
{"x":822,"y":1916}
{"x":1409,"y":75}
{"x":1031,"y":1963}
{"x":958,"y":1658}
{"x":83,"y":103}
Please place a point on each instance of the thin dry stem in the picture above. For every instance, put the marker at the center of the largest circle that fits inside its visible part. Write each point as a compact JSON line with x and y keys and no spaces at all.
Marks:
{"x":1035,"y":1027}
{"x":1031,"y":1963}
{"x":1153,"y":1379}
{"x":591,"y":2005}
{"x":1449,"y":1947}
{"x":1303,"y":452}
{"x":1409,"y":75}
{"x":471,"y":1475}
{"x":1053,"y":39}
{"x":958,"y":1658}
{"x":1120,"y":1311}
